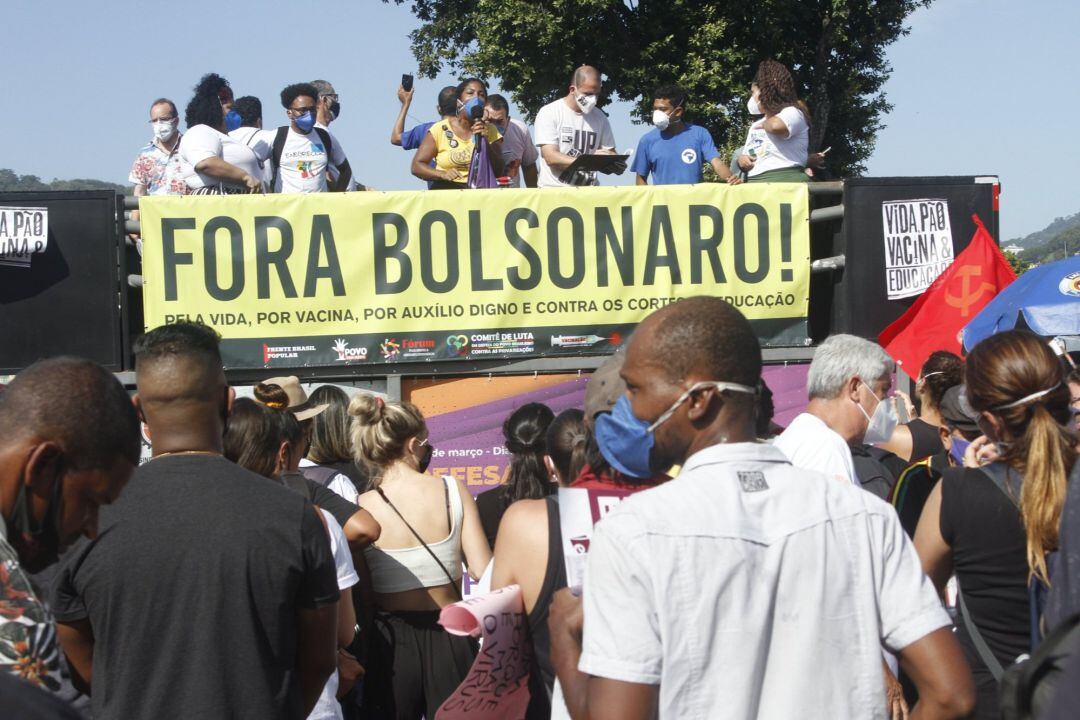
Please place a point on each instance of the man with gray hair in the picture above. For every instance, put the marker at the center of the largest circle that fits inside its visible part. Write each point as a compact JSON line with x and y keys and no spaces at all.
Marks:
{"x":848,"y":382}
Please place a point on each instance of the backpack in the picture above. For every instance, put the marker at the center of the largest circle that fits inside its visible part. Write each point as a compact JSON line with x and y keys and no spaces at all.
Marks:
{"x":1027,"y":688}
{"x":279,"y":147}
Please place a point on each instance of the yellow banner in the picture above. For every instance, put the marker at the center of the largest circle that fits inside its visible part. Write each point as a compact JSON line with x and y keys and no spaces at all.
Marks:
{"x":374,"y":267}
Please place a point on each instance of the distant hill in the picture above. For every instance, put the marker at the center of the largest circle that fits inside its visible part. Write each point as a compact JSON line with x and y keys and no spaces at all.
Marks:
{"x":1054,"y":248}
{"x":10,"y":181}
{"x":1048,"y":233}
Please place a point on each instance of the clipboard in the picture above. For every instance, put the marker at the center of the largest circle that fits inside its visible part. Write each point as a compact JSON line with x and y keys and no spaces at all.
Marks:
{"x":607,"y":164}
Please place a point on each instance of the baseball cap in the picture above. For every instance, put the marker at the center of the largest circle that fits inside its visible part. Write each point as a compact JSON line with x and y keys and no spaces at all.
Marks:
{"x":299,"y":404}
{"x":957,"y":412}
{"x":605,"y":386}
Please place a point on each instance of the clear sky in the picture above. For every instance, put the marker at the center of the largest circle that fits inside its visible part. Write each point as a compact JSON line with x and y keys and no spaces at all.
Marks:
{"x":979,"y":87}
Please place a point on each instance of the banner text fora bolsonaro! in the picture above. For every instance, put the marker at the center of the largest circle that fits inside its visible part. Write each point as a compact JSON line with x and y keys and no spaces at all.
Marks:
{"x":329,"y":279}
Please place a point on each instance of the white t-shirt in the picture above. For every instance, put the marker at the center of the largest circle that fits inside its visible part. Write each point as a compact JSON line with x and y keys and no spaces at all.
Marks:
{"x":809,"y":443}
{"x":747,"y":588}
{"x":262,"y":142}
{"x":517,"y":144}
{"x":303,"y":162}
{"x":339,"y":483}
{"x":203,"y":141}
{"x":334,"y":172}
{"x":573,"y":134}
{"x":327,"y":707}
{"x":772,"y":152}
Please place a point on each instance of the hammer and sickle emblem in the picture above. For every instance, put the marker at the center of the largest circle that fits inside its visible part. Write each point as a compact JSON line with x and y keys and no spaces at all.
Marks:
{"x":968,"y":296}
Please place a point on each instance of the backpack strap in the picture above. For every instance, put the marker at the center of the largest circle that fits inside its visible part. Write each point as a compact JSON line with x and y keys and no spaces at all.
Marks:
{"x":275,"y":156}
{"x":321,"y":474}
{"x":328,"y":143}
{"x":985,"y":654}
{"x":1002,"y":476}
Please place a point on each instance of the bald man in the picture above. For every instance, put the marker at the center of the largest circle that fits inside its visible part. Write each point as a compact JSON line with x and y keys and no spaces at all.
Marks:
{"x":744,"y":587}
{"x":573,"y":126}
{"x":210,"y":591}
{"x":69,"y":441}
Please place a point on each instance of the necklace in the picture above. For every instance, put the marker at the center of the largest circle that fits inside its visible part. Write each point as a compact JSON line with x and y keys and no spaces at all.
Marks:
{"x":186,"y":452}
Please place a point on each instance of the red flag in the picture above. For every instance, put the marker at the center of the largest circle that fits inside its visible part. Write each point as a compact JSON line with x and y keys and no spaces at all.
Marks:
{"x":934,"y":321}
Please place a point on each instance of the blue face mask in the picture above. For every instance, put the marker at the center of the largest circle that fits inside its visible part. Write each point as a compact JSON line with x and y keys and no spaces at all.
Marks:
{"x":232,"y":121}
{"x":467,"y":108}
{"x":627,"y":442}
{"x":305,"y":122}
{"x":959,"y":447}
{"x":624,"y":441}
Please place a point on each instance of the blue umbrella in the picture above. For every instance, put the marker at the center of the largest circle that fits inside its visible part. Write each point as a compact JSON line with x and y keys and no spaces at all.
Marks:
{"x":1046,"y":297}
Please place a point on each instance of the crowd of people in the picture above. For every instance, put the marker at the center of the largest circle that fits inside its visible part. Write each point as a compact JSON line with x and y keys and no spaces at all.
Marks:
{"x":226,"y":150}
{"x":288,"y":556}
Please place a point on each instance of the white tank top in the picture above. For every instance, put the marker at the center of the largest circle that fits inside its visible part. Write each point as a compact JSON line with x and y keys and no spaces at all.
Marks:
{"x":412,"y":568}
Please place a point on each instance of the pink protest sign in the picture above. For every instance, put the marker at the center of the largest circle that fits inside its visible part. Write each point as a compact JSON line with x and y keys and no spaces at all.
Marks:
{"x":497,"y":685}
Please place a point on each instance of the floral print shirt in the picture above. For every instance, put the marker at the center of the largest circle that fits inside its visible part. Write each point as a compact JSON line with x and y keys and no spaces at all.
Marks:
{"x":28,"y":645}
{"x":162,"y":173}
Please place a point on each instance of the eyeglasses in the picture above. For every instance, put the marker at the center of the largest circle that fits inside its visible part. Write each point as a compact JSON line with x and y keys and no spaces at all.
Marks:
{"x":171,"y":118}
{"x":302,"y":110}
{"x":332,"y":96}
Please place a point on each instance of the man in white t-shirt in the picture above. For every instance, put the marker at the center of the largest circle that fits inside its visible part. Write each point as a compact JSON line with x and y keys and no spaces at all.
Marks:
{"x":519,"y":152}
{"x":301,"y":151}
{"x":743,"y":588}
{"x":848,"y":382}
{"x":573,"y":126}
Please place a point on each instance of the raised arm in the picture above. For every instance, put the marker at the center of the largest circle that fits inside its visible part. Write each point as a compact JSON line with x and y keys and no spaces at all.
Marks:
{"x":405,"y":98}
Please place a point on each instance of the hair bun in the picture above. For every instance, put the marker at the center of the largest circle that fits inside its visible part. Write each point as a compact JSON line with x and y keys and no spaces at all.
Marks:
{"x":272,"y":396}
{"x":368,"y":409}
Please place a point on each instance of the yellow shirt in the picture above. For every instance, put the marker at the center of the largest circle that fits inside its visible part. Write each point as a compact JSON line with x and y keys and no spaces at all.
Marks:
{"x":453,"y":153}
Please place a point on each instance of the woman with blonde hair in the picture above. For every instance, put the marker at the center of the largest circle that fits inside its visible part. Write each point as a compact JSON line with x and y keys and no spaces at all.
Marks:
{"x":429,"y":525}
{"x":992,"y":526}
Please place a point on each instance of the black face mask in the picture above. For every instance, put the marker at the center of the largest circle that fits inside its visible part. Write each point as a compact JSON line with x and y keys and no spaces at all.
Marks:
{"x":37,"y":546}
{"x":425,"y":461}
{"x":335,"y":109}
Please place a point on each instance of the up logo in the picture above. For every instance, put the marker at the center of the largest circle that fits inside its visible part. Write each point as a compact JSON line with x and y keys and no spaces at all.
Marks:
{"x":1070,"y":284}
{"x":689,"y":156}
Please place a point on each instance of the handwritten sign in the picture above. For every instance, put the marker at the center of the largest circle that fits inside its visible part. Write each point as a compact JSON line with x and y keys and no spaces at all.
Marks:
{"x":24,"y":231}
{"x":579,"y":511}
{"x":497,"y":686}
{"x":918,"y":244}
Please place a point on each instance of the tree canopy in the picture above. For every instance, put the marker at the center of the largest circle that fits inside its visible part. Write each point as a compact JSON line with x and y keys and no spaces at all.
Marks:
{"x":834,"y":48}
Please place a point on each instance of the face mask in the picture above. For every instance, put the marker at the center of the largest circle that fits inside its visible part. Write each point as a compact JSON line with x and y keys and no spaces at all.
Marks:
{"x":586,"y":103}
{"x":882,"y":422}
{"x":752,"y":106}
{"x":335,"y":109}
{"x":957,"y":450}
{"x":38,"y":546}
{"x":661,"y":120}
{"x":232,"y":121}
{"x":305,"y":122}
{"x":164,"y":130}
{"x":472,"y":108}
{"x":626,"y":442}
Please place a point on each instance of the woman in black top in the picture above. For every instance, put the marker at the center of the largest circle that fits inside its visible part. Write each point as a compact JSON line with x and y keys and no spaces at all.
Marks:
{"x":529,"y":552}
{"x":528,"y":479}
{"x":920,"y":438}
{"x":994,"y":534}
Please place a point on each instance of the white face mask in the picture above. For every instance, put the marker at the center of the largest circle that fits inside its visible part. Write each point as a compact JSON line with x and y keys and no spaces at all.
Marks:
{"x":586,"y":103}
{"x":164,"y":129}
{"x":660,"y":119}
{"x":882,"y":423}
{"x":752,"y":106}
